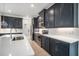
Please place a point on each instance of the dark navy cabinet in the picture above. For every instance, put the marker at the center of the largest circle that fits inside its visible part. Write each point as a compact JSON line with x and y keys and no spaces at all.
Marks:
{"x":57,"y":14}
{"x":35,"y":21}
{"x":61,"y":15}
{"x":64,"y":15}
{"x":42,"y":14}
{"x":45,"y":43}
{"x":61,"y":48}
{"x":49,"y":17}
{"x":56,"y":47}
{"x":52,"y":47}
{"x":42,"y":18}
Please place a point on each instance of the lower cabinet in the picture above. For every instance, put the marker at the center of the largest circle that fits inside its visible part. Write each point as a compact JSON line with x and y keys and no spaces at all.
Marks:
{"x":57,"y":47}
{"x":51,"y":47}
{"x":45,"y":43}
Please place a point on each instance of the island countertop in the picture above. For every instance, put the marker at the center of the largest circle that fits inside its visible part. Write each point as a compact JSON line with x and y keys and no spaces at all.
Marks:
{"x":15,"y":48}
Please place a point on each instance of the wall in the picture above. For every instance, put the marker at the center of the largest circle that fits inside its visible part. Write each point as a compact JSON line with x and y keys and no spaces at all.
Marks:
{"x":70,"y":32}
{"x":7,"y":30}
{"x":27,"y":27}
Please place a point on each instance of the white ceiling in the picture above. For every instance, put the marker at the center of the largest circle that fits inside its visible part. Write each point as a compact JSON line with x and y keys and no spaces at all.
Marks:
{"x":22,"y":9}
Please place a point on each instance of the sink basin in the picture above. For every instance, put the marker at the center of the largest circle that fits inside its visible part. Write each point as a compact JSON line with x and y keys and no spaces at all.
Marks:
{"x":18,"y":38}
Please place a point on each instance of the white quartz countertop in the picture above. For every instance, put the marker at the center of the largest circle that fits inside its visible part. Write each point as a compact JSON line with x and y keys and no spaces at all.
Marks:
{"x":61,"y":37}
{"x":15,"y":48}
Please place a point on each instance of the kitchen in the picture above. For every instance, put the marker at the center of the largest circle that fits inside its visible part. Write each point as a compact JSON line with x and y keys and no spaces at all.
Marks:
{"x":53,"y":27}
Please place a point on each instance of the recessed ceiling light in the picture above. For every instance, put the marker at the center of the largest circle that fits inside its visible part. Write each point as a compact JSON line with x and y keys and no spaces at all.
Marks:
{"x":32,"y":5}
{"x":9,"y":11}
{"x":40,"y":17}
{"x":51,"y":12}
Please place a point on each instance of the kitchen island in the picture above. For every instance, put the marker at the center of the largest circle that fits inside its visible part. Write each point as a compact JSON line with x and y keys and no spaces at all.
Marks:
{"x":8,"y":47}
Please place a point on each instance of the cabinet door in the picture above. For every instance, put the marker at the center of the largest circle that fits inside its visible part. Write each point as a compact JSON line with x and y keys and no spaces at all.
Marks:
{"x":35,"y":37}
{"x":61,"y":48}
{"x":64,"y":15}
{"x":49,"y":18}
{"x":57,"y":15}
{"x":52,"y":46}
{"x":67,"y":16}
{"x":42,"y":18}
{"x":45,"y":43}
{"x":41,"y":14}
{"x":46,"y":20}
{"x":35,"y":22}
{"x":58,"y":48}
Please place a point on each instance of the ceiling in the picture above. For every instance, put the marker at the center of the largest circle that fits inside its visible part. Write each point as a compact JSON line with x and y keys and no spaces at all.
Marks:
{"x":22,"y":9}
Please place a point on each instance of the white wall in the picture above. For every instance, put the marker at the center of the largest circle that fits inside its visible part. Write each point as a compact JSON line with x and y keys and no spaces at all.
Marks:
{"x":27,"y":27}
{"x":70,"y":32}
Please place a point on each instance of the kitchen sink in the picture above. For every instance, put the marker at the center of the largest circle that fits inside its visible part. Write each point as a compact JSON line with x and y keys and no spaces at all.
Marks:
{"x":18,"y":38}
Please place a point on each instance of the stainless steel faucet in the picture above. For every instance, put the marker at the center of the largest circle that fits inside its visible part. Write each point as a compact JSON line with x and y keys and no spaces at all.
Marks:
{"x":11,"y":33}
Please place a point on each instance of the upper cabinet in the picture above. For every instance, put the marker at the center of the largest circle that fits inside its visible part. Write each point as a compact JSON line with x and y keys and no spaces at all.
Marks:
{"x":35,"y":20}
{"x":41,"y":18}
{"x":49,"y":17}
{"x":64,"y":15}
{"x":61,"y":15}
